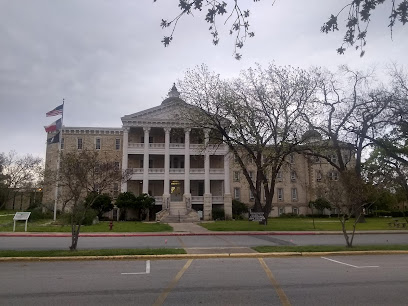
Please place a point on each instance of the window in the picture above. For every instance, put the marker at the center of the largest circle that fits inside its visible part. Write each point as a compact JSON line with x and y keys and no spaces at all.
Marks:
{"x":280,"y":194}
{"x":150,"y":163}
{"x":319,"y":176}
{"x":141,"y":163}
{"x":79,"y":143}
{"x":236,"y":158}
{"x":293,"y":176}
{"x":97,"y":144}
{"x":294,"y":194}
{"x":251,"y":196}
{"x":97,"y":167}
{"x":279,"y":176}
{"x":236,"y":175}
{"x":281,"y":210}
{"x":150,"y":139}
{"x":295,"y":210}
{"x":334,"y":176}
{"x":346,"y":158}
{"x":200,"y":188}
{"x":62,"y":143}
{"x":292,"y":158}
{"x":117,"y":143}
{"x":115,"y":190}
{"x":96,"y":188}
{"x":237,"y":193}
{"x":251,"y":174}
{"x":116,"y":166}
{"x":333,"y":158}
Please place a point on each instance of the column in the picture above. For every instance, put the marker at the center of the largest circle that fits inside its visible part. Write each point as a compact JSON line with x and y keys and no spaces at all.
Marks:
{"x":125,"y":145}
{"x":166,"y":192}
{"x":146,"y":160}
{"x":207,"y":211}
{"x":187,"y":192}
{"x":227,"y":187}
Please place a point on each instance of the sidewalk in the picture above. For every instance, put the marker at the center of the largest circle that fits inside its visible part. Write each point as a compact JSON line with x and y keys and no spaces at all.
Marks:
{"x":191,"y":229}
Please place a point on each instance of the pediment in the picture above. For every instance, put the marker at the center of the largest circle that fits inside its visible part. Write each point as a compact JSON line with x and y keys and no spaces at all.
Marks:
{"x":163,"y":112}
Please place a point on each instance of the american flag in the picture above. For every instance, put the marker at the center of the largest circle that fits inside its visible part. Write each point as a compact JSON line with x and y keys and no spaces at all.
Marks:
{"x":56,"y":111}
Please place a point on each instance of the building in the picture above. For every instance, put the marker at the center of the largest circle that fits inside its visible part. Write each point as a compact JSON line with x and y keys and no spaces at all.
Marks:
{"x":183,"y":168}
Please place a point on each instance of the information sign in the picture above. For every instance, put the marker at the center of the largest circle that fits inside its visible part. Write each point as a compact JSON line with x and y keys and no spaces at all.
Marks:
{"x":256,"y":216}
{"x":21,"y":216}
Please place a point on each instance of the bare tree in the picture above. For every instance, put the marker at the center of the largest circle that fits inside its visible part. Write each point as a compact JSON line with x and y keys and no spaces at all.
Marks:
{"x":80,"y":174}
{"x":258,"y":116}
{"x":350,"y":110}
{"x":18,"y":173}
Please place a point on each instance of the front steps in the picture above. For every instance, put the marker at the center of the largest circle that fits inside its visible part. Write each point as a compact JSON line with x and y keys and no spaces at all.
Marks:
{"x":178,"y":213}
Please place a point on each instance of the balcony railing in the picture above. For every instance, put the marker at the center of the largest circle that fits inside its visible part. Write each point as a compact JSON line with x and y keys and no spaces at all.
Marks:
{"x":177,"y":145}
{"x":136,"y":170}
{"x":176,"y":170}
{"x":218,"y":200}
{"x":136,"y":145}
{"x":197,"y":199}
{"x":156,"y":170}
{"x":217,"y":170}
{"x":156,"y":145}
{"x":197,"y":170}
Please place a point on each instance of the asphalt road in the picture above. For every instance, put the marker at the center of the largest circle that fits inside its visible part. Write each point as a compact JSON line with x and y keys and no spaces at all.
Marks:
{"x":195,"y":243}
{"x":334,"y":280}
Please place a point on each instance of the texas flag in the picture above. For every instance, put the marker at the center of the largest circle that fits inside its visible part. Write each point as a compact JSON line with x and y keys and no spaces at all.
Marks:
{"x":56,"y":125}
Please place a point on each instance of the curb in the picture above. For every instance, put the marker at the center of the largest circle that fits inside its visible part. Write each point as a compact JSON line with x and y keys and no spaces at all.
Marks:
{"x":166,"y":234}
{"x":202,"y":256}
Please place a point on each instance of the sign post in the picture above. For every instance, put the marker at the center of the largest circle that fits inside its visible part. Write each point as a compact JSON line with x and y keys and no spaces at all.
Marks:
{"x":21,"y":216}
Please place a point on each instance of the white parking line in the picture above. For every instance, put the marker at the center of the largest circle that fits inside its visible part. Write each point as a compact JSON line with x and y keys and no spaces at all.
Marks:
{"x":346,"y":264}
{"x":147,"y":270}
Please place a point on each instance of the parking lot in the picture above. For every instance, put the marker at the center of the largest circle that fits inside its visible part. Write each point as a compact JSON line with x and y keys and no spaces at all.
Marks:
{"x":332,"y":280}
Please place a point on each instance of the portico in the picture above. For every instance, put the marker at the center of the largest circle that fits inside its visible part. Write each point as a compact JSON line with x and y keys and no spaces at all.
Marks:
{"x":174,"y":161}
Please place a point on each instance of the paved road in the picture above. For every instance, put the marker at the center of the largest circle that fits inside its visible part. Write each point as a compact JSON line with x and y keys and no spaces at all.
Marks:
{"x":335,"y":280}
{"x":194,"y":243}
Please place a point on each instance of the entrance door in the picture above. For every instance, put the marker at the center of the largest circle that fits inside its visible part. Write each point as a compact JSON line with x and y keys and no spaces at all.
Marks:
{"x":176,"y":191}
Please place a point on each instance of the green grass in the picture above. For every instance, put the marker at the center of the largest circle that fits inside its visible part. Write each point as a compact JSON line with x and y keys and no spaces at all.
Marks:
{"x":300,"y":224}
{"x":329,"y":248}
{"x":107,"y":252}
{"x":6,"y":225}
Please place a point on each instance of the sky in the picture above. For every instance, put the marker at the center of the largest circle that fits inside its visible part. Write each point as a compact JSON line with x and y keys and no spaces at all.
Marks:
{"x":106,"y":59}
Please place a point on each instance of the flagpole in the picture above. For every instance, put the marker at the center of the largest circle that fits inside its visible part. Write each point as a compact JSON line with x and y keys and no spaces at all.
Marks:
{"x":58,"y":162}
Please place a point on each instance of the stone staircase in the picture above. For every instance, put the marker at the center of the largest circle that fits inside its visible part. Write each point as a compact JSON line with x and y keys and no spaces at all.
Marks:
{"x":178,"y":213}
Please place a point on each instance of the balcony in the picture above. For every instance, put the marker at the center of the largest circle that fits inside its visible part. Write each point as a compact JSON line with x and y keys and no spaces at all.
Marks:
{"x":156,"y":170}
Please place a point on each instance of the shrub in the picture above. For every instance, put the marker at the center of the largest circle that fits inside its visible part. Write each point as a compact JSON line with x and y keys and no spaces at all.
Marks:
{"x":90,"y":216}
{"x":37,"y":214}
{"x":218,"y":214}
{"x":238,"y":208}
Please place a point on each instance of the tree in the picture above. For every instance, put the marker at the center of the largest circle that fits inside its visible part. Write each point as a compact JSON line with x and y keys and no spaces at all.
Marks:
{"x":126,"y":200}
{"x":258,"y":116}
{"x":387,"y":172}
{"x":18,"y":173}
{"x":142,"y":203}
{"x":102,"y":203}
{"x":237,"y":18}
{"x":85,"y":175}
{"x":320,"y":204}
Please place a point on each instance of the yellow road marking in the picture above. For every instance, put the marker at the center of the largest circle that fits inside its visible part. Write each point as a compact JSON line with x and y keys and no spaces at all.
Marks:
{"x":282,"y":296}
{"x":160,"y":300}
{"x":181,"y":242}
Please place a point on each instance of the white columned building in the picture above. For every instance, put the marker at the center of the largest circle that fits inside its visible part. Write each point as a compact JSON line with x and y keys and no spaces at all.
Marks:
{"x":175,"y":162}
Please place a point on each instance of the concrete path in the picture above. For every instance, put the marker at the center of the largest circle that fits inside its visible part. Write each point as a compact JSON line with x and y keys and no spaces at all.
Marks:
{"x":188,"y":227}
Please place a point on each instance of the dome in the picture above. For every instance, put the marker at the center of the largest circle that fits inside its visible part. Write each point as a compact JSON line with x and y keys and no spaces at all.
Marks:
{"x":173,"y":96}
{"x":312,"y":135}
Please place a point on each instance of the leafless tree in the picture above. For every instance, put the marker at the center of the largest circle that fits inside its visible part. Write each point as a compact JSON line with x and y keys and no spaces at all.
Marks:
{"x":257,"y":115}
{"x":81,"y":173}
{"x":18,"y":173}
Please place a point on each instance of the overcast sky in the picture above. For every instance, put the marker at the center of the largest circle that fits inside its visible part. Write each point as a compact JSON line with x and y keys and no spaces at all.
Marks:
{"x":106,"y":59}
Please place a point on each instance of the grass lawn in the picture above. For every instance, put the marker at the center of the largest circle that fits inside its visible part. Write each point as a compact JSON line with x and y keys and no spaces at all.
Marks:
{"x":108,"y":252}
{"x":6,"y":225}
{"x":329,"y":248}
{"x":300,"y":224}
